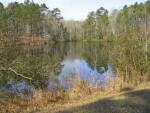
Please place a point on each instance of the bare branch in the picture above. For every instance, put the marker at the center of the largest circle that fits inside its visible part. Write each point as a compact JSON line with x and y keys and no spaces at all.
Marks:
{"x":10,"y":69}
{"x":19,"y":74}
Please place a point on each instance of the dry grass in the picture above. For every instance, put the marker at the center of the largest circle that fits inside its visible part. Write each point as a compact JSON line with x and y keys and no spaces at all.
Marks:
{"x":136,"y":100}
{"x":40,"y":99}
{"x":81,"y":93}
{"x":58,"y":94}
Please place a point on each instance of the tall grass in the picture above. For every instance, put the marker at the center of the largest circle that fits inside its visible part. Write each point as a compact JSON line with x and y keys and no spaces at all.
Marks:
{"x":79,"y":87}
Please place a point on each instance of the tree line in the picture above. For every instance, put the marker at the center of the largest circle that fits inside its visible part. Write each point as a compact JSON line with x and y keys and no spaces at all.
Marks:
{"x":31,"y":19}
{"x":129,"y":21}
{"x":130,"y":32}
{"x":37,"y":20}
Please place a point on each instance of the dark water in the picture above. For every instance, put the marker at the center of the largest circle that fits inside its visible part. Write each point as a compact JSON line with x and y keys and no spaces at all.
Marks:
{"x":50,"y":65}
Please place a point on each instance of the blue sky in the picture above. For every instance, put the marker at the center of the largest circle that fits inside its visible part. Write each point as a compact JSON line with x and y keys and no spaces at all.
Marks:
{"x":79,"y":9}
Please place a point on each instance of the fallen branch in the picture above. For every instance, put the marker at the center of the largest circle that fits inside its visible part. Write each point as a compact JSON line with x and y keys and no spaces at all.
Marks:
{"x":19,"y":74}
{"x":10,"y":69}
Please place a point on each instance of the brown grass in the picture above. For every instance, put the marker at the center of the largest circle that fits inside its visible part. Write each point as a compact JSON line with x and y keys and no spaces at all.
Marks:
{"x":58,"y":94}
{"x":80,"y":90}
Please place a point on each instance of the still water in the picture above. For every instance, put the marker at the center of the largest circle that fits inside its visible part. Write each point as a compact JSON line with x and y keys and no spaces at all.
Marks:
{"x":50,"y":65}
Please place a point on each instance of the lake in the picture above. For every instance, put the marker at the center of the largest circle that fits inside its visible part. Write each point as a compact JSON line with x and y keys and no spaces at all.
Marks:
{"x":50,"y":65}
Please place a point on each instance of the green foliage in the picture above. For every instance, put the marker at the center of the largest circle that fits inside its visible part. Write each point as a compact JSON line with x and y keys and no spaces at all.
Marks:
{"x":110,"y":37}
{"x":19,"y":67}
{"x":132,"y":19}
{"x":89,"y":25}
{"x":96,"y":23}
{"x":128,"y":57}
{"x":132,"y":29}
{"x":102,"y":22}
{"x":36,"y":20}
{"x":32,"y":19}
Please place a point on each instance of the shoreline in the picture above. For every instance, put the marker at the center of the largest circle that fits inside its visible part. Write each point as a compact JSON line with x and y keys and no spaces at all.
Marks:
{"x":98,"y":101}
{"x":82,"y":97}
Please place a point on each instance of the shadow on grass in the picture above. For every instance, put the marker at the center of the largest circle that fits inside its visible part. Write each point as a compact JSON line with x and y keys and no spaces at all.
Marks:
{"x":132,"y":102}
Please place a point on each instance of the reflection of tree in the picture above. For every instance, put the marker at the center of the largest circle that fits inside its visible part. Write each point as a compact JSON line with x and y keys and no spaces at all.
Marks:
{"x":35,"y":71}
{"x":94,"y":53}
{"x":43,"y":65}
{"x":98,"y":56}
{"x":58,"y":50}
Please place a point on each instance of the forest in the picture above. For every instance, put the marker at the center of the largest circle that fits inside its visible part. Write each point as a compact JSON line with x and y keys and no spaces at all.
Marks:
{"x":46,"y":59}
{"x":29,"y":19}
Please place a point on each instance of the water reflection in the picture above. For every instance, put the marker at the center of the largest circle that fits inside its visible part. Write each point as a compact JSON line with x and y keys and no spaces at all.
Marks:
{"x":48,"y":65}
{"x":82,"y":67}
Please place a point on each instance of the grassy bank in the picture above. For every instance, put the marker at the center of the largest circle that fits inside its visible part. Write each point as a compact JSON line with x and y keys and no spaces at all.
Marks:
{"x":131,"y":100}
{"x":85,"y":96}
{"x":135,"y":100}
